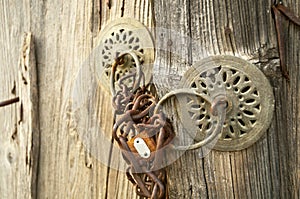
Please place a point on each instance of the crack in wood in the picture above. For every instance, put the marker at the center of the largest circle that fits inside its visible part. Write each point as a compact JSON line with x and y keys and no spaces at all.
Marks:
{"x":100,"y":15}
{"x":229,"y":36}
{"x":27,"y":161}
{"x":108,"y":3}
{"x":95,"y":17}
{"x":232,"y":172}
{"x":15,"y":133}
{"x":10,"y":157}
{"x":88,"y":161}
{"x":13,"y":90}
{"x":190,"y":48}
{"x":205,"y":179}
{"x":28,"y":124}
{"x":91,"y":23}
{"x":24,"y":80}
{"x":21,"y":113}
{"x":122,"y":8}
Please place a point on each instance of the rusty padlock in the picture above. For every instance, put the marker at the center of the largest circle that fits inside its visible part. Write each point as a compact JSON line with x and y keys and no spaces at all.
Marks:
{"x":142,"y":145}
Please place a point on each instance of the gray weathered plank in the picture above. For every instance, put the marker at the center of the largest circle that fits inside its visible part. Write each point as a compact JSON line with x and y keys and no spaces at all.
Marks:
{"x":20,"y":148}
{"x":10,"y":39}
{"x":268,"y":168}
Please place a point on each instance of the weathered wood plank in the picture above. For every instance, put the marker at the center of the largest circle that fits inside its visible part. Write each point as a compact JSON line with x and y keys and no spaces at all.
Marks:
{"x":64,"y":42}
{"x":292,"y":102}
{"x":69,"y":41}
{"x":16,"y":177}
{"x":246,"y":30}
{"x":19,"y":151}
{"x":28,"y":134}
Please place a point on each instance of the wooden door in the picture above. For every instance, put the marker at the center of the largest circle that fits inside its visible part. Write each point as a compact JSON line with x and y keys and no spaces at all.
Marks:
{"x":42,"y":155}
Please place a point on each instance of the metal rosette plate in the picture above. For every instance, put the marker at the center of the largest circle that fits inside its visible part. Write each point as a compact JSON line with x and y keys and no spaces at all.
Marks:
{"x":249,"y":94}
{"x":118,"y":37}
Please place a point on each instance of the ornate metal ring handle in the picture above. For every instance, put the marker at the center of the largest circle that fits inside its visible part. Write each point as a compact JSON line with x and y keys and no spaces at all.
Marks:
{"x":218,"y":108}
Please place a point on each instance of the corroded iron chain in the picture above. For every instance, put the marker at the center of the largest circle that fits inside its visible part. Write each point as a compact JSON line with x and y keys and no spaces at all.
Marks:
{"x":141,"y":135}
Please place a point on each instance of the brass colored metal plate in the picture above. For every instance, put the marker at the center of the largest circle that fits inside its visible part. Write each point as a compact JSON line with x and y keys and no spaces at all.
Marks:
{"x":250,"y":100}
{"x":120,"y":36}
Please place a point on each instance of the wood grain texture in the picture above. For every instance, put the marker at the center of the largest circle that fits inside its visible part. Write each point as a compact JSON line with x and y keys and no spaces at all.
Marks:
{"x":20,"y":148}
{"x":17,"y":138}
{"x":28,"y":132}
{"x":244,"y":29}
{"x":65,"y":34}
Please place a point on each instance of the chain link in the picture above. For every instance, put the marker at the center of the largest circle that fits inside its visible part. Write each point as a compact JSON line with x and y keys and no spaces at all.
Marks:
{"x":134,"y":107}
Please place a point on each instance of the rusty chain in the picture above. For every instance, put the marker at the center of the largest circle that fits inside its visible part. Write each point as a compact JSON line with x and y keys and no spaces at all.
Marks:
{"x":141,"y":122}
{"x":134,"y":106}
